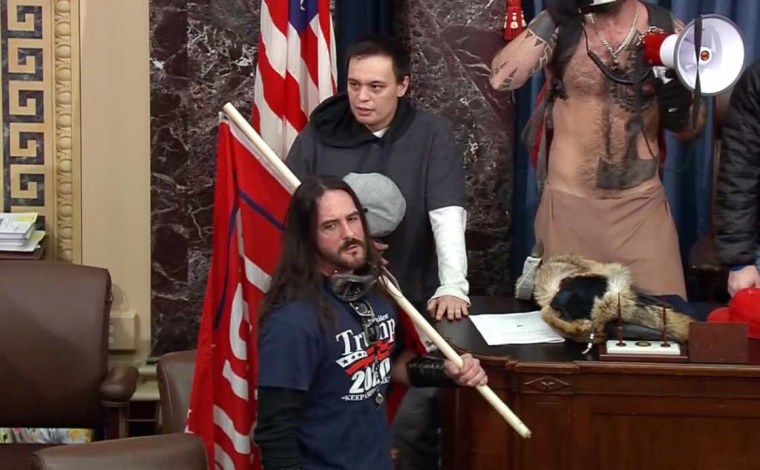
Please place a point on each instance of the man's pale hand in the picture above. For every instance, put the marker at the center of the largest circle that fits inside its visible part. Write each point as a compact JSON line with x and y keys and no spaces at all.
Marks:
{"x":381,"y":247}
{"x":748,"y":276}
{"x":470,"y":375}
{"x":454,"y":308}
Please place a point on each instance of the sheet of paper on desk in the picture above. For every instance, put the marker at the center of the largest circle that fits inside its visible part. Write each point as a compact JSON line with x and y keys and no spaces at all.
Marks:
{"x":515,"y":328}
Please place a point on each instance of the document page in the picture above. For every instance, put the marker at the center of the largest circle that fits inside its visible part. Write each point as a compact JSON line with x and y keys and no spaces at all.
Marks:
{"x":515,"y":328}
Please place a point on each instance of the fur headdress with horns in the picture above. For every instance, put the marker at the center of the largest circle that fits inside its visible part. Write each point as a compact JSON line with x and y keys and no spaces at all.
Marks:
{"x":580,"y":296}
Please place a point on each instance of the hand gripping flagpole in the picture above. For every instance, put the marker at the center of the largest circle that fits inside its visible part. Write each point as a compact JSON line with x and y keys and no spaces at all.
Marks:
{"x":419,"y":321}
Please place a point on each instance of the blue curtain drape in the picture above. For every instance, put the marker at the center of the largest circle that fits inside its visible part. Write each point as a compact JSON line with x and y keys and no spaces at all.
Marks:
{"x":687,"y":181}
{"x":355,"y":18}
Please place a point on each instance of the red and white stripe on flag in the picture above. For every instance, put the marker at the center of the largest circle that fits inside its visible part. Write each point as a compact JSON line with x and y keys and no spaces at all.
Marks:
{"x":296,"y":68}
{"x":250,"y":204}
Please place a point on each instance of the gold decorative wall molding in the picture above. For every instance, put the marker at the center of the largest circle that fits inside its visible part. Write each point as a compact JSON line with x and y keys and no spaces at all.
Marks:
{"x":41,"y":151}
{"x":67,"y":132}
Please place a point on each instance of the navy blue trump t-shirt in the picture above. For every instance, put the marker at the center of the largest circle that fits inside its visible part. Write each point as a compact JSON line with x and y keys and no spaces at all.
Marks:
{"x":343,"y":427}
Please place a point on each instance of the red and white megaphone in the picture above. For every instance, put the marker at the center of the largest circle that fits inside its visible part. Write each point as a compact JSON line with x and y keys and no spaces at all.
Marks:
{"x":721,"y":54}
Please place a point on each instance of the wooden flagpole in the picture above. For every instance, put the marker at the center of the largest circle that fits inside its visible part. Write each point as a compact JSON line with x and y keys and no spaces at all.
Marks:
{"x":511,"y":418}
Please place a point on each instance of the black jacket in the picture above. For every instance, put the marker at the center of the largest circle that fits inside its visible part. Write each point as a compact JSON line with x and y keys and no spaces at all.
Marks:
{"x":737,"y":203}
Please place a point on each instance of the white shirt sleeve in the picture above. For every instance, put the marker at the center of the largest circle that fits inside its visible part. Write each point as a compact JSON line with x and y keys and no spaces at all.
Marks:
{"x":448,"y":231}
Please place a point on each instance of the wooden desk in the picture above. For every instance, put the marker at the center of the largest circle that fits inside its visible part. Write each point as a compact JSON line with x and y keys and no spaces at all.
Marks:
{"x":588,"y":415}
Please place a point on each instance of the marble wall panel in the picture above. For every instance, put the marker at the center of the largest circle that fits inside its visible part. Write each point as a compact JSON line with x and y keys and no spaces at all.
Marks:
{"x":452,"y":44}
{"x":203,"y":54}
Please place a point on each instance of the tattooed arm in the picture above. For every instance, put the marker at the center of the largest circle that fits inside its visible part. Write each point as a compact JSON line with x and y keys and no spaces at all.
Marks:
{"x":525,"y":55}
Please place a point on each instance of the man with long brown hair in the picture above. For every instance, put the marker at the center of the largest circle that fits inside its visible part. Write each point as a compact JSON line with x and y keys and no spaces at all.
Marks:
{"x":374,"y":127}
{"x":330,"y":342}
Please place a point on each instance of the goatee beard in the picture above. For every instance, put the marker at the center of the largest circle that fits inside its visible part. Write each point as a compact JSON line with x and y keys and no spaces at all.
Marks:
{"x":356,"y":263}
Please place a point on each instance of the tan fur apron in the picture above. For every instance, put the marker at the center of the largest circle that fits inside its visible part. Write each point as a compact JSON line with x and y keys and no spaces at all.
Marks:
{"x":636,"y":230}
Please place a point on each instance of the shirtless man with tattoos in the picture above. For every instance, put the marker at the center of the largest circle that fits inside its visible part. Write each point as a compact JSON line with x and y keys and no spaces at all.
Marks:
{"x":602,"y":196}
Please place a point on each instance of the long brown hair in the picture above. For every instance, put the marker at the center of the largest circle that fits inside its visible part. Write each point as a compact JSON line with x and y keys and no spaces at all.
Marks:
{"x":297,"y":276}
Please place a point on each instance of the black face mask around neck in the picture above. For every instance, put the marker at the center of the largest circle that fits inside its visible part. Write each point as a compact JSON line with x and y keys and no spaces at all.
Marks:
{"x":350,"y":287}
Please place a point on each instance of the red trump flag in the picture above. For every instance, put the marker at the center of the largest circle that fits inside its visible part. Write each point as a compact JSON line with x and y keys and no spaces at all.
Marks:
{"x":250,"y":202}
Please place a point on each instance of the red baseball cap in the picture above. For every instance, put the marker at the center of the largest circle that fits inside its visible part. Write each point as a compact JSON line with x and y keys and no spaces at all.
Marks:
{"x":744,"y":307}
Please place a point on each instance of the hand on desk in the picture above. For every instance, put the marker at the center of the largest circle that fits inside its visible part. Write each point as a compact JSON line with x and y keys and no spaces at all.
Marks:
{"x":470,"y":375}
{"x":454,"y":308}
{"x":748,"y":276}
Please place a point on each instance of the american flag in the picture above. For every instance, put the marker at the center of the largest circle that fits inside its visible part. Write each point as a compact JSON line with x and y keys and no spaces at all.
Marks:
{"x":250,"y":202}
{"x":296,"y":68}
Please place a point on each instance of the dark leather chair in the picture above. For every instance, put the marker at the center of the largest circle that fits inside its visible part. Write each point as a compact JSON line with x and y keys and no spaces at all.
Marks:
{"x":175,"y":380}
{"x":706,"y":276}
{"x":177,"y":451}
{"x":54,"y":354}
